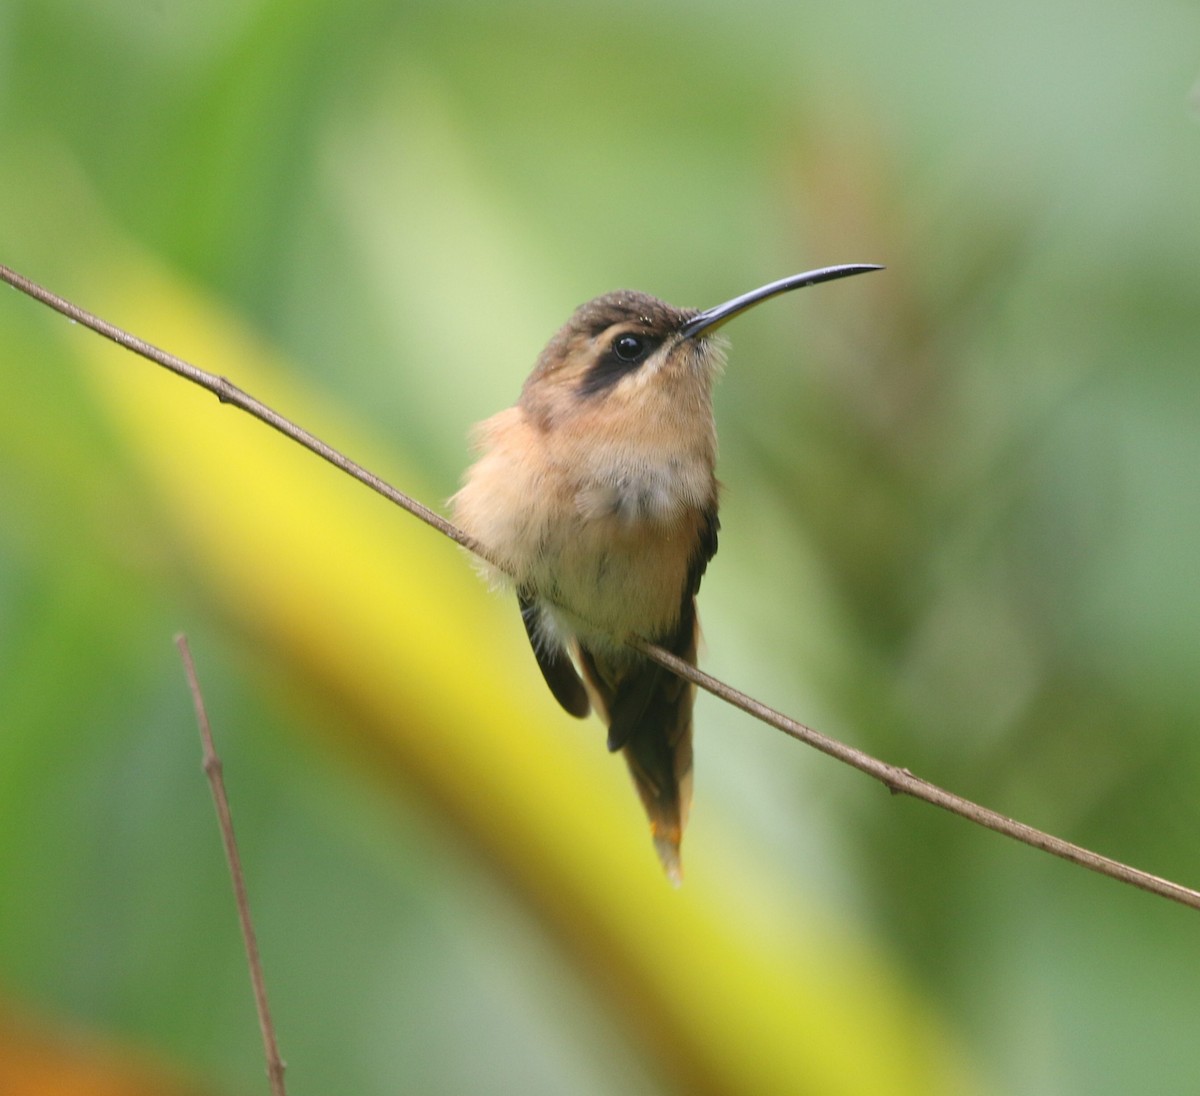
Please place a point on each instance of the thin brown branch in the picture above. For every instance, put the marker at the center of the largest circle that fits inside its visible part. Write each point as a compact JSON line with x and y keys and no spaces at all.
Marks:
{"x":228,"y":392}
{"x":897,"y":780}
{"x":216,"y":781}
{"x":902,"y":781}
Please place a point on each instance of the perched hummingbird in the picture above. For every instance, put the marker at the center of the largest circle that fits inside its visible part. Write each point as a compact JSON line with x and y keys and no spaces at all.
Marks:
{"x":596,"y":496}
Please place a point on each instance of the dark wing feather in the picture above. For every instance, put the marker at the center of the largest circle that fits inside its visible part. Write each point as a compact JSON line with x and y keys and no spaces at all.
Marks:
{"x":706,"y":548}
{"x":625,"y":692}
{"x":555,"y":664}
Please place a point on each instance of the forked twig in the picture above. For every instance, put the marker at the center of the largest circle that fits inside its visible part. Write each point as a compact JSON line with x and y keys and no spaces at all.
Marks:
{"x":216,"y":781}
{"x":897,"y":780}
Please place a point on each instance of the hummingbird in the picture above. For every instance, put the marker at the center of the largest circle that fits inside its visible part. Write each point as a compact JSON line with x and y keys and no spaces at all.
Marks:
{"x":595,"y":497}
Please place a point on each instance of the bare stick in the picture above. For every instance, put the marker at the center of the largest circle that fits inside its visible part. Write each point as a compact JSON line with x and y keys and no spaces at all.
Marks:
{"x":897,"y":780}
{"x":228,"y":392}
{"x":212,"y":769}
{"x":903,"y":782}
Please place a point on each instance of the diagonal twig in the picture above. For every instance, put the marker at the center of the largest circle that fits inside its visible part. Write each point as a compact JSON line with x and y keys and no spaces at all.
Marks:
{"x":903,"y":782}
{"x":897,"y":780}
{"x":216,"y":781}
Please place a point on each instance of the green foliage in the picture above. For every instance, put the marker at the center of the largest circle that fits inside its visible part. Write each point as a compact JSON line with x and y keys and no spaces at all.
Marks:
{"x":960,"y":522}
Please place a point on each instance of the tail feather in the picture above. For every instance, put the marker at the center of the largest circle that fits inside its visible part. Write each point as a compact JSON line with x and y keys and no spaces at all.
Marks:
{"x":659,"y":756}
{"x":649,"y":714}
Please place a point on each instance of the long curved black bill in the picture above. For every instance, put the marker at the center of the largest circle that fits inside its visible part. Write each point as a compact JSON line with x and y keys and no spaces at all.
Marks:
{"x":714,"y":317}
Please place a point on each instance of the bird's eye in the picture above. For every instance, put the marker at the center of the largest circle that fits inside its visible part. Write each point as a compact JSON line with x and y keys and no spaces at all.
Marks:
{"x":628,"y":347}
{"x":625,"y":354}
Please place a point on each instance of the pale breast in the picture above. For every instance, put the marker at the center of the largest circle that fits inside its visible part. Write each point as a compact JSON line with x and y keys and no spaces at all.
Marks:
{"x":605,"y":532}
{"x":621,"y":561}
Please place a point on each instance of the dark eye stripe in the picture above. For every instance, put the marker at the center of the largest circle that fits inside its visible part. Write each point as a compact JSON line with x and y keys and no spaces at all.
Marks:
{"x":614,"y":364}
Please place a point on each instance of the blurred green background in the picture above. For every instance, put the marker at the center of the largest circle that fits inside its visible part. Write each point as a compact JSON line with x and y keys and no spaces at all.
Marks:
{"x":961,"y":527}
